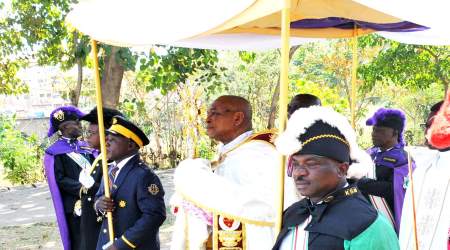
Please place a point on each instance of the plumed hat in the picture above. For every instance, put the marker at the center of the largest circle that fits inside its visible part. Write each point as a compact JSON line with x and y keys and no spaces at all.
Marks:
{"x":319,"y":131}
{"x":391,"y":118}
{"x":61,"y":115}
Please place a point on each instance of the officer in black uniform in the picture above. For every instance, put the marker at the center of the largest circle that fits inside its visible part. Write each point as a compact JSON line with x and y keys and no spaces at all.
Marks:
{"x":137,"y":196}
{"x":333,"y":214}
{"x":67,"y":167}
{"x":91,"y":179}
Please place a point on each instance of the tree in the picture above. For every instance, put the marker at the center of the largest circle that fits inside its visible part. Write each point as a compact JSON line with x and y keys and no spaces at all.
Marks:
{"x":10,"y":41}
{"x":416,"y":66}
{"x":164,"y":71}
{"x":329,"y":64}
{"x":41,"y":37}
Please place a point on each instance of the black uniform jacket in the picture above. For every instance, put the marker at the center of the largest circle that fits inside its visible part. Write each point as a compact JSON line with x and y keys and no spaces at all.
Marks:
{"x":139,"y":208}
{"x":341,"y":216}
{"x":90,"y":222}
{"x":67,"y":172}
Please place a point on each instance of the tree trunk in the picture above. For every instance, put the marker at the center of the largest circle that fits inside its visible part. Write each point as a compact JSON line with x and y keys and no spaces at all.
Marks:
{"x":112,"y":79}
{"x":75,"y":94}
{"x":276,"y":94}
{"x":273,"y":105}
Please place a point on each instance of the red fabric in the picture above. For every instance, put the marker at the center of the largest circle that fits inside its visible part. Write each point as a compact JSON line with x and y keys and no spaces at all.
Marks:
{"x":439,"y":132}
{"x":266,"y":136}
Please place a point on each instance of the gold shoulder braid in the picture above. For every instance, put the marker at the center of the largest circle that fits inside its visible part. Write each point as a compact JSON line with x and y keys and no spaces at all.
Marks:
{"x":266,"y":136}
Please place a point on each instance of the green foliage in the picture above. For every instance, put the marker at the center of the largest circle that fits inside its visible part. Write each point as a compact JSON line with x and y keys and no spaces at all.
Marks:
{"x":9,"y":83}
{"x":165,"y":72}
{"x":411,"y":66}
{"x":205,"y":150}
{"x":247,"y":57}
{"x":326,"y":94}
{"x":19,"y":154}
{"x":10,"y":42}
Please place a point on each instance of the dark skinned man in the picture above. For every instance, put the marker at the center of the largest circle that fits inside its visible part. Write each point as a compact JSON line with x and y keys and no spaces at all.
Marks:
{"x":91,"y":179}
{"x":432,"y":199}
{"x":63,"y":161}
{"x":333,"y":214}
{"x":391,"y":163}
{"x":356,"y":170}
{"x":233,"y":196}
{"x":137,"y":196}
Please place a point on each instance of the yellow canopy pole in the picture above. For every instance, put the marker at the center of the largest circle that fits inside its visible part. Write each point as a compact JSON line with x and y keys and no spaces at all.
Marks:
{"x":284,"y":80}
{"x":101,"y":131}
{"x":354,"y":71}
{"x":411,"y":182}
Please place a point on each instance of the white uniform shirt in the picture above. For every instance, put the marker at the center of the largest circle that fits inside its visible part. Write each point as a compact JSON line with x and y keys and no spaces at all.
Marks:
{"x":432,"y":198}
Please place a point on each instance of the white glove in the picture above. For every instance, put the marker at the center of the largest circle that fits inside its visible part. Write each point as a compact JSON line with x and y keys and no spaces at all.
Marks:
{"x":86,"y":179}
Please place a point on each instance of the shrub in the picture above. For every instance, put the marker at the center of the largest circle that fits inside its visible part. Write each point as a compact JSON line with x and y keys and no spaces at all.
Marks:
{"x":20,"y":154}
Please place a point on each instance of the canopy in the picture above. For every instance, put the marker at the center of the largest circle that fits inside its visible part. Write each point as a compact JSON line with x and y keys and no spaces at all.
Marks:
{"x":242,"y":23}
{"x":431,"y":13}
{"x":201,"y":23}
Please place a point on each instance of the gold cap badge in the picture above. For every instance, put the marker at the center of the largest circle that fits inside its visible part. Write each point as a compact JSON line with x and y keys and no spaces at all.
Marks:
{"x":59,"y":115}
{"x":153,"y":189}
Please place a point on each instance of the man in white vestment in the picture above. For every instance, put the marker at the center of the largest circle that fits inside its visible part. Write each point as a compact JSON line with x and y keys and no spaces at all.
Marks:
{"x":431,"y":183}
{"x":231,"y":200}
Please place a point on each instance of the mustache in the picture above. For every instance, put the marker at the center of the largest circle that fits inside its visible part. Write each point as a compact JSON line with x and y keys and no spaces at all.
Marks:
{"x":301,"y":179}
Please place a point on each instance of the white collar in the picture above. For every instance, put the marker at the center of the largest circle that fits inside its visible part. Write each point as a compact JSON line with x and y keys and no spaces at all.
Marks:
{"x":123,"y":162}
{"x":226,"y":147}
{"x":379,"y":150}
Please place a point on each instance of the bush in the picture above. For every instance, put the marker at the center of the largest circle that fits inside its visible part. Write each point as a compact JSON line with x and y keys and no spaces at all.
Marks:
{"x":20,"y":155}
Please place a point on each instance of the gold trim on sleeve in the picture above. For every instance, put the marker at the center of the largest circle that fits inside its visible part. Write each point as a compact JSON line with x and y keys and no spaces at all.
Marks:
{"x":128,"y":242}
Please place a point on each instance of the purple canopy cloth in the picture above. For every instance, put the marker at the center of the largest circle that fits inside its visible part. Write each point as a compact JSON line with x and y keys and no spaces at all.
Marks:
{"x":344,"y":23}
{"x":61,"y":146}
{"x":400,"y":171}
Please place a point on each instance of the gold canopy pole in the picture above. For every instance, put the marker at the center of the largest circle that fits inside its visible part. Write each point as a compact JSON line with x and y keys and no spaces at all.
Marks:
{"x":101,"y":131}
{"x":282,"y":108}
{"x":410,"y":172}
{"x":354,"y":75}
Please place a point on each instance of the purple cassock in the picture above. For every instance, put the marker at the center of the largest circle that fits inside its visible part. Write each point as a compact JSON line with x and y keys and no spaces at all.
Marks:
{"x":395,"y":159}
{"x":61,"y":146}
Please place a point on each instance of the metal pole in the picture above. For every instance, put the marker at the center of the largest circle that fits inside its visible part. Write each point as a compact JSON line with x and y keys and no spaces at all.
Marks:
{"x":101,"y":131}
{"x":282,"y":108}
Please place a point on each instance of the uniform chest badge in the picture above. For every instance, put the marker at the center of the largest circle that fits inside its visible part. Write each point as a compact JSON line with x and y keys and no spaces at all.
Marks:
{"x":122,"y":203}
{"x":153,"y":189}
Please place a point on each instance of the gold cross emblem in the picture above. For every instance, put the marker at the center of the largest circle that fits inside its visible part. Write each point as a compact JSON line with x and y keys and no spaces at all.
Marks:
{"x":59,"y":115}
{"x":153,"y":189}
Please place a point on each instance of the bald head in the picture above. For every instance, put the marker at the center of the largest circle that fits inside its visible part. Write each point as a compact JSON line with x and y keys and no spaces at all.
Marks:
{"x":238,"y":104}
{"x":228,"y":117}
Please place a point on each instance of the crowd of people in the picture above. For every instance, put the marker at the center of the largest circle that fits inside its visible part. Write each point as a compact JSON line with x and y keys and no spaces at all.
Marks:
{"x":336,"y":195}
